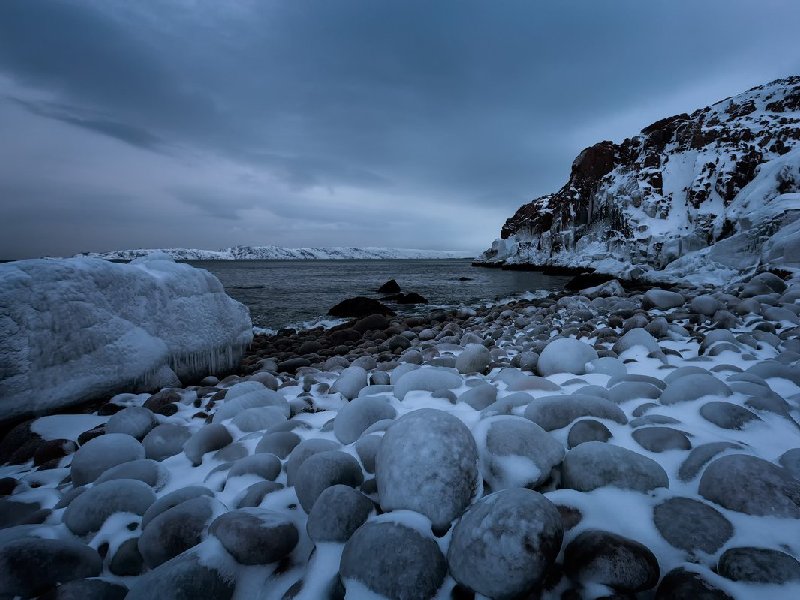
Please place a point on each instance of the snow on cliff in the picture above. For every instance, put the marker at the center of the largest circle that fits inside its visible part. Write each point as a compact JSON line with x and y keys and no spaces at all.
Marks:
{"x":76,"y":329}
{"x":704,"y":196}
{"x":278,"y":253}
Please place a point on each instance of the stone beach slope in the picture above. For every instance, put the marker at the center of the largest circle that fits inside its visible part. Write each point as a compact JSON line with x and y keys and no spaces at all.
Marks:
{"x":611,"y":442}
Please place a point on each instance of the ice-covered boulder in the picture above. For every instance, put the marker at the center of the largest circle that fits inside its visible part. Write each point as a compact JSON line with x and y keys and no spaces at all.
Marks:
{"x":565,"y":355}
{"x":505,"y":543}
{"x":80,"y":328}
{"x":428,"y":462}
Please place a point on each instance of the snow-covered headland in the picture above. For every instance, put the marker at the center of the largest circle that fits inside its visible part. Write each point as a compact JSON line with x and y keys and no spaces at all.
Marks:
{"x":501,"y":450}
{"x":280,"y":253}
{"x":706,"y":197}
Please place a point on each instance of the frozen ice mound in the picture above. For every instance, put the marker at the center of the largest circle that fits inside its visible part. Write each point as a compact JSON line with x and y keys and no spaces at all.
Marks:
{"x":76,"y":329}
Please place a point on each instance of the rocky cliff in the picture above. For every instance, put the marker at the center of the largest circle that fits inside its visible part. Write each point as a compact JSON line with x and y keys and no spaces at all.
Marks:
{"x":713,"y":191}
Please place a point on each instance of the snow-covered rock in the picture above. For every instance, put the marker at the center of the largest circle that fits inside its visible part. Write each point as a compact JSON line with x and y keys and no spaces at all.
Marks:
{"x":698,"y":197}
{"x":77,"y":329}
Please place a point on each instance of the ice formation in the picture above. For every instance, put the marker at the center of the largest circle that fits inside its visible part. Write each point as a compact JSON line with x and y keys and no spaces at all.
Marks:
{"x":76,"y":329}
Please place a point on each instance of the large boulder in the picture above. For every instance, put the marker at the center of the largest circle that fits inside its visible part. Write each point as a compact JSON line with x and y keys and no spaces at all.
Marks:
{"x":358,"y":307}
{"x":428,"y":462}
{"x":165,"y":440}
{"x":337,"y":513}
{"x":662,"y":299}
{"x":79,"y":329}
{"x":414,"y":569}
{"x":322,"y":470}
{"x":350,"y":382}
{"x":474,"y":359}
{"x":206,"y":439}
{"x":597,"y":464}
{"x":136,"y":421}
{"x":565,"y":355}
{"x":357,"y":415}
{"x":751,"y":485}
{"x":505,"y":543}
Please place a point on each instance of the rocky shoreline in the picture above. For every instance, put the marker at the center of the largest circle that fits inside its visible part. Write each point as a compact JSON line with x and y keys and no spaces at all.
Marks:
{"x":510,"y":450}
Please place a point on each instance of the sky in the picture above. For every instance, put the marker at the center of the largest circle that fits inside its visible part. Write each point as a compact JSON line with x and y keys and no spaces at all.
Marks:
{"x":411,"y":124}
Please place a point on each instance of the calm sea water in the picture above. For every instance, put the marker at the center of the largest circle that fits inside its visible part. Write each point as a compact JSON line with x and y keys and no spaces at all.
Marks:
{"x":292,"y":293}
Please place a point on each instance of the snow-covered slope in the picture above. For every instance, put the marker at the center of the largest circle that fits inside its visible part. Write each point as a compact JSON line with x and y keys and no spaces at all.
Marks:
{"x":278,"y":253}
{"x":75,"y":329}
{"x":715,"y":190}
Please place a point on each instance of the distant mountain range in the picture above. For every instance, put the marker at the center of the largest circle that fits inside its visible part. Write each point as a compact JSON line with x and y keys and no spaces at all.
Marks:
{"x":704,"y":196}
{"x":278,"y":253}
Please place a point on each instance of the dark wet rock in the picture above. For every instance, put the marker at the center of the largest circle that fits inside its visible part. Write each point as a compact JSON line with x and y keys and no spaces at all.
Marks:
{"x":727,"y":415}
{"x":427,"y":462}
{"x":51,"y":451}
{"x":414,"y":570}
{"x":555,"y":412}
{"x":661,"y":439}
{"x":692,"y":525}
{"x":177,"y":529}
{"x":662,"y":299}
{"x":682,"y":584}
{"x":322,"y":470}
{"x":127,"y":560}
{"x":375,"y":322}
{"x":182,"y":578}
{"x":31,"y":566}
{"x":89,"y":511}
{"x":587,"y":430}
{"x":163,"y":402}
{"x":102,"y":453}
{"x":505,"y":544}
{"x":14,"y":513}
{"x":358,"y":307}
{"x":337,"y":513}
{"x":602,"y":557}
{"x":758,"y":565}
{"x":751,"y":485}
{"x":597,"y":464}
{"x":700,"y":456}
{"x":255,"y":536}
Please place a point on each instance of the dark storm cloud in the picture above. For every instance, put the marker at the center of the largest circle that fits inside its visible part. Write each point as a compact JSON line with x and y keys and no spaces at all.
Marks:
{"x":308,"y":110}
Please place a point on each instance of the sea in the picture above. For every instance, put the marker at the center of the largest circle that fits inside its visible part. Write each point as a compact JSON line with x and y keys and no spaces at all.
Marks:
{"x":298,"y":294}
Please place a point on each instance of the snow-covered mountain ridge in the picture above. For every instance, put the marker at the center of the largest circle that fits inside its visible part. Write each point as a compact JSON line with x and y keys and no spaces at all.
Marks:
{"x":279,"y":253}
{"x":715,"y":191}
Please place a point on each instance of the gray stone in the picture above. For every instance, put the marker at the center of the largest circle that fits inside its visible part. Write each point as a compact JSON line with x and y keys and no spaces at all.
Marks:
{"x":322,"y":470}
{"x":662,"y":299}
{"x":692,"y":387}
{"x":263,"y":465}
{"x":565,"y":355}
{"x":165,"y":440}
{"x":337,"y":513}
{"x":427,"y":462}
{"x":692,"y":525}
{"x":144,"y":469}
{"x":727,"y":415}
{"x":700,"y":457}
{"x":555,"y":412}
{"x":480,"y":396}
{"x":414,"y":570}
{"x":255,"y":536}
{"x":358,"y":414}
{"x":89,"y":511}
{"x":167,"y":501}
{"x":101,"y":453}
{"x":790,"y":460}
{"x":255,"y":494}
{"x":587,"y":430}
{"x":135,"y":421}
{"x":597,"y":464}
{"x":182,"y":578}
{"x":207,"y":439}
{"x":506,"y":543}
{"x":602,"y":557}
{"x":758,"y":565}
{"x":367,"y":450}
{"x":280,"y":443}
{"x":473,"y":359}
{"x":661,"y":439}
{"x":682,"y":584}
{"x":350,"y":382}
{"x":426,"y":379}
{"x":87,"y":589}
{"x":751,"y":485}
{"x":302,"y":451}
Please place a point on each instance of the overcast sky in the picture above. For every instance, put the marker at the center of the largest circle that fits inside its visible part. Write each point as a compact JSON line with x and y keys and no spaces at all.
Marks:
{"x":416,"y":124}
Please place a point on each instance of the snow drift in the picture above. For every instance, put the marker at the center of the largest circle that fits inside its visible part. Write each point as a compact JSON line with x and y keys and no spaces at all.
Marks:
{"x":76,"y":329}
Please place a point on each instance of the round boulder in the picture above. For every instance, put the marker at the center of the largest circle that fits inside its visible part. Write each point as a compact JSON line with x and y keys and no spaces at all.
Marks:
{"x":89,"y":511}
{"x":135,"y":421}
{"x":102,"y":453}
{"x":337,"y":513}
{"x":323,"y":470}
{"x":255,"y":536}
{"x":505,"y":543}
{"x":597,"y":464}
{"x":428,"y":462}
{"x":355,"y":416}
{"x":758,"y":565}
{"x":691,"y":525}
{"x":565,"y":355}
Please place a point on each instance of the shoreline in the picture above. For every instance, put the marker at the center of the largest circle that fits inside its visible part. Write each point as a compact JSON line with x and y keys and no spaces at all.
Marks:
{"x":616,"y":387}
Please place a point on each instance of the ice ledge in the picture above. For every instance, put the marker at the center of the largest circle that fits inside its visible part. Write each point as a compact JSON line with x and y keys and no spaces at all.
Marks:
{"x":72,"y":330}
